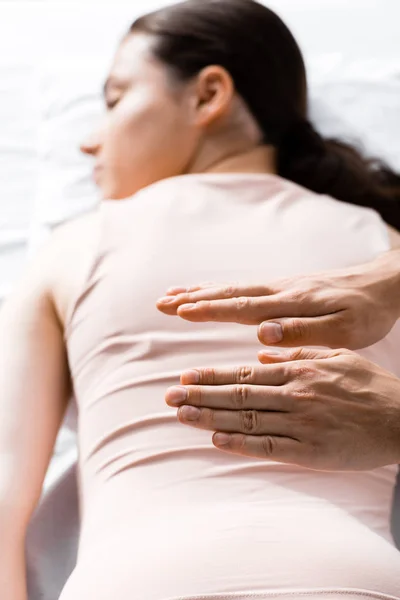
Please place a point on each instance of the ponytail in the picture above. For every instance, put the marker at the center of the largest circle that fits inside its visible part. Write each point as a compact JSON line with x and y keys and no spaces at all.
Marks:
{"x":332,"y":167}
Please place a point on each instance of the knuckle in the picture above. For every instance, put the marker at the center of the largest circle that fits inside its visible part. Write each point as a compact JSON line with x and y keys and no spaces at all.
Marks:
{"x":304,"y":371}
{"x":268,"y":445}
{"x":302,"y":392}
{"x":339,"y":362}
{"x":296,"y":296}
{"x":249,"y":420}
{"x":289,"y":372}
{"x":297,"y":354}
{"x":208,"y":376}
{"x":196,"y":396}
{"x":350,"y":360}
{"x":298,"y":329}
{"x":357,"y":362}
{"x":230,"y":291}
{"x":348,"y":352}
{"x":298,"y":393}
{"x":242,"y":303}
{"x":343,"y":352}
{"x":244,"y":374}
{"x":312,"y":371}
{"x":241,"y":396}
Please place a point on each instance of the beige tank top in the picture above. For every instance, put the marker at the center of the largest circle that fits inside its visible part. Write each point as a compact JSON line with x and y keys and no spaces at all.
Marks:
{"x":149,"y":479}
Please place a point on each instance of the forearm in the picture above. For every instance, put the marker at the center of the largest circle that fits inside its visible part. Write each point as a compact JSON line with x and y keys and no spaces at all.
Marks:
{"x":12,"y":561}
{"x":14,"y":518}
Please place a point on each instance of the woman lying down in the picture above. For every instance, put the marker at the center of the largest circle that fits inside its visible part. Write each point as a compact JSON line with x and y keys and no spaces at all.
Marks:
{"x":207,"y":165}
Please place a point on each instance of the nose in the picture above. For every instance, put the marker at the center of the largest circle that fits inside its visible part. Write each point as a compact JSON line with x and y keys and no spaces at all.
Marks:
{"x":91,"y":145}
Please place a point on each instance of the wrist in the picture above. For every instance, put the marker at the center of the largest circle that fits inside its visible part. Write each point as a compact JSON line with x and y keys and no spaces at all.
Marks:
{"x":386,"y":269}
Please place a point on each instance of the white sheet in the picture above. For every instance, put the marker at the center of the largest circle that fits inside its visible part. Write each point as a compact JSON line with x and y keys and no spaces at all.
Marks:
{"x":18,"y":169}
{"x":70,"y":104}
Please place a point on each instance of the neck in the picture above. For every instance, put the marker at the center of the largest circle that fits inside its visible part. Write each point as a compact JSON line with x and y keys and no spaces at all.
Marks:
{"x":259,"y":159}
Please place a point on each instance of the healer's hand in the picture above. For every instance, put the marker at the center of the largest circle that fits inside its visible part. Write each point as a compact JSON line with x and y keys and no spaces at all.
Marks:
{"x":324,"y":410}
{"x":351,"y":308}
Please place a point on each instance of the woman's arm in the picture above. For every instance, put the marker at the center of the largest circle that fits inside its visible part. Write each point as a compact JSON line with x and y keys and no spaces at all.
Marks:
{"x":34,"y":390}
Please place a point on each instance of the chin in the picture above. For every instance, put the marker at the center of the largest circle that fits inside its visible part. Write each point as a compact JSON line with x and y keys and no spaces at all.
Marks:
{"x":112,"y":192}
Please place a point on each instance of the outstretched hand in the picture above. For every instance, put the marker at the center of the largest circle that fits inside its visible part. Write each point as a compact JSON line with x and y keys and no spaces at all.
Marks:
{"x":351,"y":308}
{"x":321,"y":409}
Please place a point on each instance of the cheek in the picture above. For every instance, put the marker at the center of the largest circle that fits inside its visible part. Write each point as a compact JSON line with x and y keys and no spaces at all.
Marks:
{"x":148,"y":137}
{"x":146,"y":131}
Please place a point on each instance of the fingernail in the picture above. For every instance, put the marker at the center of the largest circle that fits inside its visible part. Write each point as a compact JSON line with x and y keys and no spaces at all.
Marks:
{"x":191,"y":377}
{"x":190,"y":413}
{"x":188,"y":307}
{"x":222,"y":439}
{"x":176,"y":395}
{"x":271,"y":333}
{"x":167,"y":300}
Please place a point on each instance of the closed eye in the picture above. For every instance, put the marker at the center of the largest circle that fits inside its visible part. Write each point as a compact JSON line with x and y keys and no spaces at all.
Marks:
{"x":111,"y":103}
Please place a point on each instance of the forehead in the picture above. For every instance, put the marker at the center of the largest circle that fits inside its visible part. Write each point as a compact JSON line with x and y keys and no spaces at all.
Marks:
{"x":134,"y":59}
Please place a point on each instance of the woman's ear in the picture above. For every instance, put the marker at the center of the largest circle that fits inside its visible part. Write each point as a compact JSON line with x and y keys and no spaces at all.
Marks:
{"x":213,"y":95}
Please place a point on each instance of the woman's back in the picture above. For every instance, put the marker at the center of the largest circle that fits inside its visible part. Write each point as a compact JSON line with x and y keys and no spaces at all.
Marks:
{"x":164,"y":513}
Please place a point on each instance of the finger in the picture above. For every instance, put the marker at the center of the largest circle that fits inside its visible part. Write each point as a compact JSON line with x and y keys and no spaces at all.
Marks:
{"x":255,"y":375}
{"x":247,"y":310}
{"x":231,"y":397}
{"x":268,"y":358}
{"x":202,"y":298}
{"x":268,"y":447}
{"x":173,"y":291}
{"x":249,"y":422}
{"x":194,"y":288}
{"x":327,"y":330}
{"x":248,"y":305}
{"x":169,"y":303}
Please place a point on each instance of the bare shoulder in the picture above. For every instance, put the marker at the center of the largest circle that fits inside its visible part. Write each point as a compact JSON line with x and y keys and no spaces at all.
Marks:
{"x":394,"y":237}
{"x":84,"y":227}
{"x":66,"y":258}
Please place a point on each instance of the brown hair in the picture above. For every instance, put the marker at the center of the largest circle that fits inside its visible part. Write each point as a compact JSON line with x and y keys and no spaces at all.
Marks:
{"x":254,"y":45}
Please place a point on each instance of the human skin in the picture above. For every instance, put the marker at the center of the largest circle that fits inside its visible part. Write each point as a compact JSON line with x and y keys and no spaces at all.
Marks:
{"x":331,"y":410}
{"x":211,"y":130}
{"x":349,"y":308}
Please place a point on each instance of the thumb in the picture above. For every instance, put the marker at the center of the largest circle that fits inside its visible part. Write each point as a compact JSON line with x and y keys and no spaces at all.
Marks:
{"x":311,"y":331}
{"x":266,"y":357}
